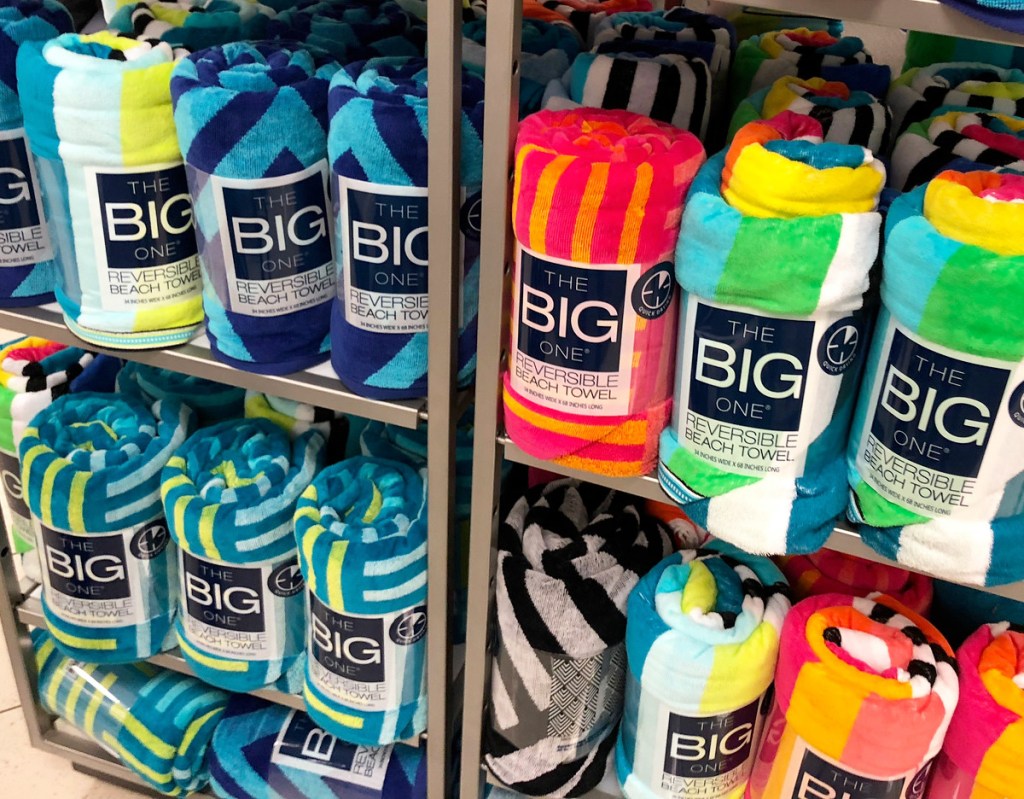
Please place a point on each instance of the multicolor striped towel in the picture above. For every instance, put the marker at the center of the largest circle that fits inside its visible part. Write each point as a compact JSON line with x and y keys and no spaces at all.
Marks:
{"x":90,"y":472}
{"x":264,"y":751}
{"x":211,"y":402}
{"x":229,"y":496}
{"x":378,"y":150}
{"x":778,"y":238}
{"x":596,"y":209}
{"x":962,"y":140}
{"x":830,"y":572}
{"x":298,"y":417}
{"x":984,"y":748}
{"x":864,"y":692}
{"x":261,"y":199}
{"x":158,"y":723}
{"x":192,"y":25}
{"x":936,"y":454}
{"x":362,"y":533}
{"x":569,"y":553}
{"x":98,"y":117}
{"x":846,"y":117}
{"x":702,"y":639}
{"x":27,"y":271}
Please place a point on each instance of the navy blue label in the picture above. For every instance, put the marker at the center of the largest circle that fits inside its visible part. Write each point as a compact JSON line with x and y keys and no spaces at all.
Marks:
{"x":86,"y":567}
{"x":278,"y":231}
{"x":387,"y":239}
{"x":710,"y":745}
{"x":749,"y":370}
{"x":935,"y":410}
{"x":571,"y":316}
{"x":653,"y":293}
{"x":349,"y":646}
{"x":227,"y":597}
{"x":146,"y":218}
{"x":818,"y":779}
{"x":841,"y":345}
{"x":151,"y":540}
{"x":302,"y":739}
{"x":19,"y":207}
{"x":410,"y":627}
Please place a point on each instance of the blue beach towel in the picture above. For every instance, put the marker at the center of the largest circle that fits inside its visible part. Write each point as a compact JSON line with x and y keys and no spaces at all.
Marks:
{"x":192,"y":25}
{"x":362,"y":533}
{"x":298,"y":417}
{"x":378,"y":150}
{"x":90,"y":472}
{"x":264,"y":751}
{"x":229,"y":495}
{"x":27,"y":271}
{"x":262,"y":209}
{"x":211,"y":402}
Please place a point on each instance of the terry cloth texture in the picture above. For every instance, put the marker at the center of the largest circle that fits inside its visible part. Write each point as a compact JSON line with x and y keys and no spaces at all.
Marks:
{"x":298,"y":417}
{"x":261,"y":199}
{"x":829,"y":572}
{"x":192,"y":25}
{"x":211,"y":402}
{"x":378,"y":151}
{"x":159,"y":723}
{"x":962,"y":140}
{"x":90,"y":472}
{"x":984,"y":748}
{"x":802,"y":53}
{"x":596,"y":207}
{"x":854,"y":672}
{"x":925,"y":49}
{"x":264,"y":751}
{"x":921,"y":93}
{"x":702,"y":640}
{"x":846,"y":117}
{"x":27,"y":271}
{"x":98,"y":118}
{"x":1007,"y":14}
{"x":569,"y":553}
{"x":778,"y":239}
{"x":936,"y":458}
{"x":362,"y":534}
{"x":229,"y":496}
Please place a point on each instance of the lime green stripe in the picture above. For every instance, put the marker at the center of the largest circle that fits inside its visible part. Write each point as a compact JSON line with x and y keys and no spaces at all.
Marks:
{"x":211,"y":662}
{"x":346,"y":720}
{"x":335,"y":597}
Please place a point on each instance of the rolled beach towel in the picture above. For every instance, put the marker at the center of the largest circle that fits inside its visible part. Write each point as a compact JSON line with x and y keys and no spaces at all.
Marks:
{"x":846,"y":117}
{"x":924,"y":49}
{"x":778,"y":239}
{"x":852,"y":672}
{"x":936,"y":455}
{"x":596,"y":209}
{"x":702,"y":640}
{"x":90,"y":471}
{"x":158,"y":723}
{"x":27,"y":271}
{"x":676,"y":25}
{"x":569,"y":553}
{"x":298,"y":417}
{"x":264,"y":751}
{"x":830,"y":572}
{"x":261,"y":199}
{"x":98,"y":118}
{"x":983,"y":750}
{"x":962,"y":140}
{"x":211,"y":402}
{"x":192,"y":25}
{"x":362,"y":534}
{"x":378,"y":150}
{"x":229,"y":496}
{"x":584,"y":15}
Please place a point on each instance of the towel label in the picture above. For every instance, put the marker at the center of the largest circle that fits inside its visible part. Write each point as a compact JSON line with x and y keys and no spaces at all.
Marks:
{"x":573,"y":330}
{"x":18,"y":513}
{"x":942,"y":436}
{"x":240,"y":612}
{"x":304,"y":746}
{"x":24,"y":236}
{"x":105,"y":579}
{"x":370,"y":663}
{"x":145,"y":241}
{"x":275,"y":236}
{"x":745,"y":379}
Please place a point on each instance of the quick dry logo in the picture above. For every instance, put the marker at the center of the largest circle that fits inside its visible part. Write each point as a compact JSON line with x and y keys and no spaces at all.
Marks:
{"x":937,"y":411}
{"x":818,"y":779}
{"x":226,"y":597}
{"x":303,"y":745}
{"x":710,"y":746}
{"x":348,"y":646}
{"x":19,"y":206}
{"x":653,"y":293}
{"x":90,"y":567}
{"x":286,"y":580}
{"x":151,"y":540}
{"x":410,"y":627}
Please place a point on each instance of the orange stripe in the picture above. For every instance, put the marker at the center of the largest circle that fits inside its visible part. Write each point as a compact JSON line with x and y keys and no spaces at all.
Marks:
{"x":590,"y":204}
{"x":635,"y":213}
{"x":632,"y":433}
{"x":608,"y":468}
{"x":546,"y":186}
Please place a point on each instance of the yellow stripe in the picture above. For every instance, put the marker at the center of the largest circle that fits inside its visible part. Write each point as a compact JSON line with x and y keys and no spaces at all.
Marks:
{"x":54,"y":689}
{"x":95,"y":701}
{"x":42,"y":654}
{"x":159,"y":777}
{"x":211,"y":662}
{"x":148,"y":135}
{"x":546,"y":185}
{"x":154,"y":744}
{"x":376,"y":502}
{"x":76,"y":501}
{"x":180,"y":505}
{"x":355,"y":722}
{"x":46,"y":491}
{"x":172,"y":483}
{"x":76,"y":691}
{"x":308,"y":542}
{"x":206,"y":532}
{"x":635,"y":213}
{"x":335,"y":598}
{"x":98,"y":644}
{"x":195,"y":727}
{"x":590,"y":204}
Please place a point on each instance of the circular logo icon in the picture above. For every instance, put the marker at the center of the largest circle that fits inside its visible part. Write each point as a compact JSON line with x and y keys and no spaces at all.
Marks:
{"x":150,"y":541}
{"x":917,"y":785}
{"x":286,"y":580}
{"x":838,"y":348}
{"x":12,"y":484}
{"x":410,"y":627}
{"x":1016,"y":407}
{"x":653,"y":293}
{"x":469,"y":216}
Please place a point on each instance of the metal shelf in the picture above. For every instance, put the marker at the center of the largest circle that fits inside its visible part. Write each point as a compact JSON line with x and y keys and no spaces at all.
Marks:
{"x":316,"y":386}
